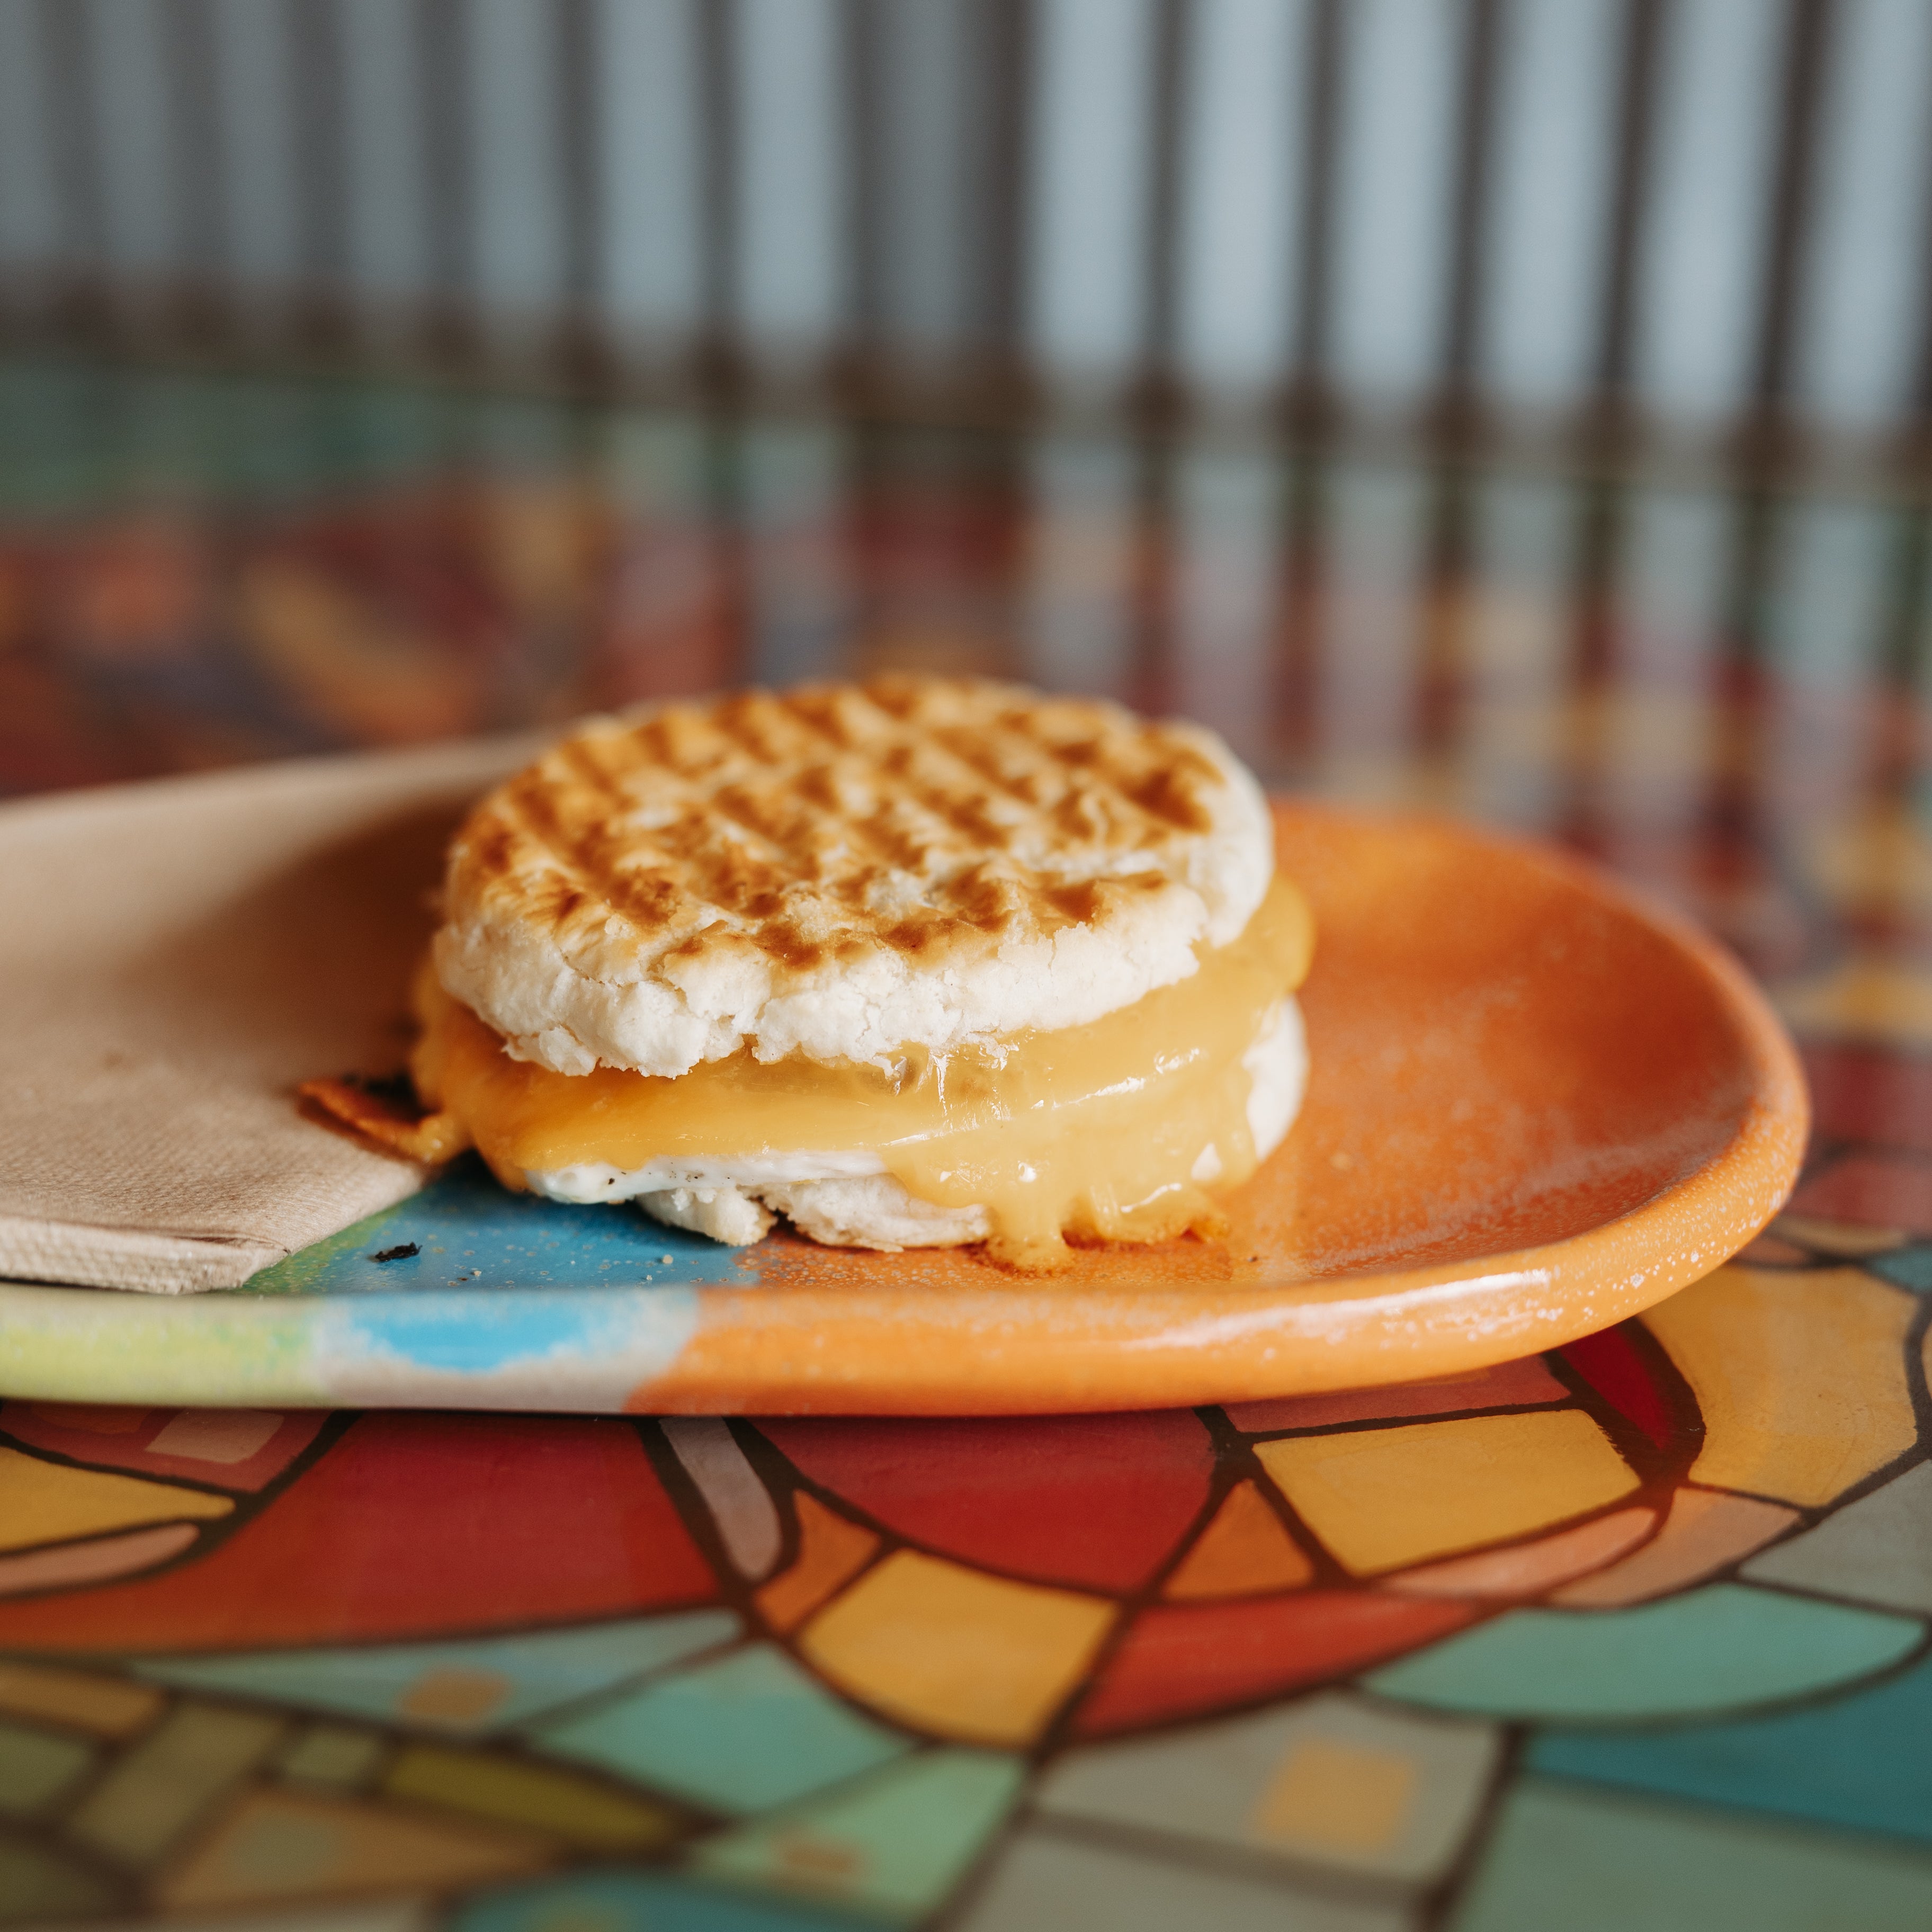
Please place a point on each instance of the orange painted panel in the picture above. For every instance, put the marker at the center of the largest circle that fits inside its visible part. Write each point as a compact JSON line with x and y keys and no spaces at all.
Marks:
{"x":830,"y":1550}
{"x":980,"y":1658}
{"x":1244,"y":1552}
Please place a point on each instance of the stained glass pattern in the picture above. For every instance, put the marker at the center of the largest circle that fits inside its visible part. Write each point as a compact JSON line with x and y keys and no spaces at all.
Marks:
{"x":1364,"y":1655}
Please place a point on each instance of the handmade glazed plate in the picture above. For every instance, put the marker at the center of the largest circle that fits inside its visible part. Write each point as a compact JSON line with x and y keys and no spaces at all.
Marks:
{"x":1537,"y":1105}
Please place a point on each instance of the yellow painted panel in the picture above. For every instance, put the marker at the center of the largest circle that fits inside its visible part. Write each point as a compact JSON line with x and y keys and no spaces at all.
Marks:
{"x":1383,"y":1498}
{"x":1243,"y":1552}
{"x":578,"y":1808}
{"x":42,"y":1502}
{"x":1863,"y":999}
{"x":1333,"y":1796}
{"x":1801,"y":1377}
{"x":956,"y":1651}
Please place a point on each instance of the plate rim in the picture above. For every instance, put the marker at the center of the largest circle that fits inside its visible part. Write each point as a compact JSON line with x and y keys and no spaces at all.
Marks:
{"x":1153,"y":1347}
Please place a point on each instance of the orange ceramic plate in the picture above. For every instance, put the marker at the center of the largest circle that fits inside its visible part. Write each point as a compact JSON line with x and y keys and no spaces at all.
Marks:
{"x":1537,"y":1105}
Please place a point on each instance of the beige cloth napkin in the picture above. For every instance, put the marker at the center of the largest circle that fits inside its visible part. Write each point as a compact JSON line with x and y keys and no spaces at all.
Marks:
{"x":174,"y":958}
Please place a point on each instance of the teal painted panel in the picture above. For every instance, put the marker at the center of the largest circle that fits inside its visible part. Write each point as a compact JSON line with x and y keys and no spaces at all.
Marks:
{"x":467,"y":1231}
{"x":1713,"y":1649}
{"x":892,"y":1846}
{"x":1864,"y":1760}
{"x":1563,"y":1859}
{"x":1905,"y":1268}
{"x":464,"y":1689}
{"x":634,"y":1902}
{"x":748,"y":1732}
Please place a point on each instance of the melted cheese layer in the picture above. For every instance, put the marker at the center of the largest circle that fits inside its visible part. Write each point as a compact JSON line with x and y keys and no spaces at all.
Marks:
{"x":1098,"y":1130}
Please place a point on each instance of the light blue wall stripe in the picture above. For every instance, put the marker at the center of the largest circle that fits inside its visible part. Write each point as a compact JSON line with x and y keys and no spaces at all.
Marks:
{"x":1554,"y":163}
{"x":257,"y":134}
{"x":1395,"y":179}
{"x":648,"y":75}
{"x":132,"y":125}
{"x":1700,"y":289}
{"x":1241,"y":185}
{"x":515,"y":146}
{"x":926,"y":182}
{"x":1864,"y":313}
{"x":792,"y":119}
{"x":1090,"y":185}
{"x":29,"y":219}
{"x":388,"y":248}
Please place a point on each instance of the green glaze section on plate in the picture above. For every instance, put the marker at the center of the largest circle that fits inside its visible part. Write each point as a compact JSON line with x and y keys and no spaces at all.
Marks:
{"x":93,"y":1345}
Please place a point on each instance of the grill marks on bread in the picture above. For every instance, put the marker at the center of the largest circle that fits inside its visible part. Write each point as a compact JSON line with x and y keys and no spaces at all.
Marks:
{"x":846,"y":872}
{"x":929,"y":817}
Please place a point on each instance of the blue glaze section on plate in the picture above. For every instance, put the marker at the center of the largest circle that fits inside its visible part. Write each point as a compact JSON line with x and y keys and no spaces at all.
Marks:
{"x":451,"y":1329}
{"x":468,"y":1232}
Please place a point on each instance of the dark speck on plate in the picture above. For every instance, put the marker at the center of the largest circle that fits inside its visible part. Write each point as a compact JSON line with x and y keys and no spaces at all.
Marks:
{"x":397,"y":1254}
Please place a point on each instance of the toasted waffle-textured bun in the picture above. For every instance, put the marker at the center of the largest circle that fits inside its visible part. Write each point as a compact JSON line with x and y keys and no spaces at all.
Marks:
{"x":844,"y":871}
{"x":848,"y":1201}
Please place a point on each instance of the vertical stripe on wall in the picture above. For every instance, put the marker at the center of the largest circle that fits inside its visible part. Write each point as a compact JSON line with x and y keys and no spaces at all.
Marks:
{"x":1089,"y":187}
{"x":29,"y":212}
{"x":792,"y":201}
{"x":653,"y":272}
{"x":1862,"y":313}
{"x":1550,"y":204}
{"x":925,"y":177}
{"x":262,"y":212}
{"x":388,"y":222}
{"x":130,"y":124}
{"x":1701,"y":267}
{"x":1394,"y":185}
{"x":516,"y":150}
{"x":1242,"y":189}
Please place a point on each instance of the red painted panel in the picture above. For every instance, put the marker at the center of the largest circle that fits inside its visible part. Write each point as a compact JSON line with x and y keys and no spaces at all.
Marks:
{"x":1887,"y":1190}
{"x":1098,"y":1500}
{"x":410,"y":1524}
{"x":125,"y":1439}
{"x":1613,"y":1365}
{"x":1868,"y":1093}
{"x":1187,"y":1660}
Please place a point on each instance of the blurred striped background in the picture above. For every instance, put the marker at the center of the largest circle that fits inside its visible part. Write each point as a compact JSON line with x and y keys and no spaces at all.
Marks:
{"x":1696,"y":216}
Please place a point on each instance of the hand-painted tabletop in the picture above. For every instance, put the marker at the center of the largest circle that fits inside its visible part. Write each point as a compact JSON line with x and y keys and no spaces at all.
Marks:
{"x":1634,"y":1633}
